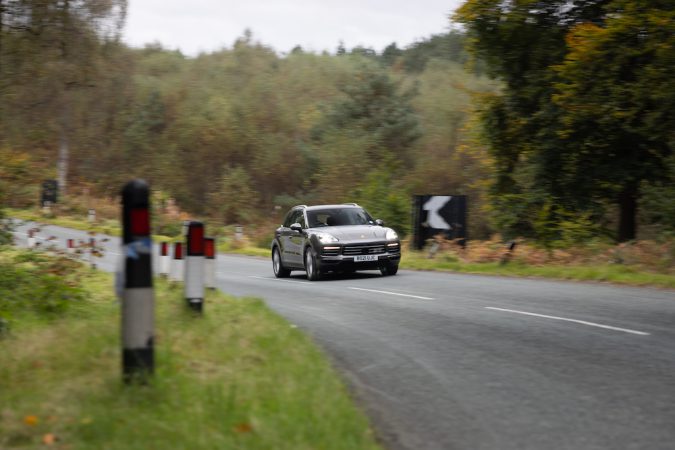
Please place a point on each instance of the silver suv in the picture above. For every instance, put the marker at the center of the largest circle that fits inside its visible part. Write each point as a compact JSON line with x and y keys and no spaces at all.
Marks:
{"x":333,"y":238}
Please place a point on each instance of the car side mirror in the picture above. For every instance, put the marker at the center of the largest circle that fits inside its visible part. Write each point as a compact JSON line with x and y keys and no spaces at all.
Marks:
{"x":379,"y":222}
{"x":296,"y":227}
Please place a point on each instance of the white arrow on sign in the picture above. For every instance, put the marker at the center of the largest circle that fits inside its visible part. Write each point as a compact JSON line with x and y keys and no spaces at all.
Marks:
{"x":433,"y":205}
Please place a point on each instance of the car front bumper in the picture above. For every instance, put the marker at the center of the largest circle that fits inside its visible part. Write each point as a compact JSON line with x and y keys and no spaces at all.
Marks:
{"x":346,"y":257}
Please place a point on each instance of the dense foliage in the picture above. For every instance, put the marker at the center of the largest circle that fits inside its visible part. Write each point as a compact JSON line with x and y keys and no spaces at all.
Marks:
{"x":235,"y":133}
{"x":587,"y":115}
{"x":579,"y":123}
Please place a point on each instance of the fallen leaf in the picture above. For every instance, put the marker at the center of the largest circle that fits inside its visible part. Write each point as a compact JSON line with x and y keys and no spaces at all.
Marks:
{"x":243,"y":428}
{"x":30,"y":420}
{"x":49,"y":439}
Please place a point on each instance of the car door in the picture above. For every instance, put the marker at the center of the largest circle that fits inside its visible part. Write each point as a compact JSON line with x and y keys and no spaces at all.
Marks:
{"x":287,"y":239}
{"x":296,"y":240}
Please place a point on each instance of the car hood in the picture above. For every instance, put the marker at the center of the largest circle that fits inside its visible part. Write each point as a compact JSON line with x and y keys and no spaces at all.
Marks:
{"x":355,"y":232}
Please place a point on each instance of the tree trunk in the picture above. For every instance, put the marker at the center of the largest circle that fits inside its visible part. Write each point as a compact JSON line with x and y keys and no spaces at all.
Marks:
{"x":62,"y":163}
{"x":627,"y":213}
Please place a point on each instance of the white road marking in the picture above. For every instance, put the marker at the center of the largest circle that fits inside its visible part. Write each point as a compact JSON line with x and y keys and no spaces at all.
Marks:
{"x":583,"y":322}
{"x":391,"y":293}
{"x":279,"y":279}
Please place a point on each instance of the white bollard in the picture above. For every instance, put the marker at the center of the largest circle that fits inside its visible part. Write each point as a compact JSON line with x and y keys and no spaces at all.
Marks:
{"x":210,"y":263}
{"x":194,"y":266}
{"x":70,"y":246}
{"x":177,"y":268}
{"x":91,"y":215}
{"x":164,"y":259}
{"x":30,"y":242}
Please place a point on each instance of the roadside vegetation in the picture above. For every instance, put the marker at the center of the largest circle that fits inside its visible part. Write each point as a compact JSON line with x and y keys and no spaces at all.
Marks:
{"x":238,"y":377}
{"x":557,"y":123}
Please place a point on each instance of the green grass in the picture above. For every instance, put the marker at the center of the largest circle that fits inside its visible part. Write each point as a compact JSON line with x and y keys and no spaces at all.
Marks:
{"x":238,"y":377}
{"x":615,"y":273}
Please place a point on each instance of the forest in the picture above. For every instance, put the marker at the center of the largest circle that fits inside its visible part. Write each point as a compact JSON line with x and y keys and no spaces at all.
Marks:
{"x":556,"y":119}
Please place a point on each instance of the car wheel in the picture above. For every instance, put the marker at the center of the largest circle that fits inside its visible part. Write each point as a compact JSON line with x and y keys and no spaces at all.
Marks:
{"x":310,"y":265}
{"x":389,"y":269}
{"x":278,"y":266}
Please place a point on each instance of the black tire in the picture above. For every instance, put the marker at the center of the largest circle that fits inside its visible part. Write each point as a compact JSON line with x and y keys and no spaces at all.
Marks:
{"x":278,"y":266}
{"x":311,"y":267}
{"x":389,"y":269}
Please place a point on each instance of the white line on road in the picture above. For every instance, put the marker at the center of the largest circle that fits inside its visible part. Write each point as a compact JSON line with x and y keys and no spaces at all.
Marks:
{"x":583,"y":322}
{"x":278,"y":279}
{"x":392,"y":293}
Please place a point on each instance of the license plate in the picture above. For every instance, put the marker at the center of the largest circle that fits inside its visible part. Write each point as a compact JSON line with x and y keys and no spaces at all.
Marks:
{"x":363,"y":258}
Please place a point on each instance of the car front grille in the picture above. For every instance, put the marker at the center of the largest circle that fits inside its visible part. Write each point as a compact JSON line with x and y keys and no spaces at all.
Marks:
{"x":364,"y":249}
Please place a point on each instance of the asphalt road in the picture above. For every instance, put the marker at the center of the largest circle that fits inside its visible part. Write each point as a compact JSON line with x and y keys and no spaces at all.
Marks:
{"x":448,"y":361}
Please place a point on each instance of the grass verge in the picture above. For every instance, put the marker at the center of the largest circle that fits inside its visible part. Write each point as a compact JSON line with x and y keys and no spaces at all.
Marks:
{"x":416,"y":260}
{"x":614,"y":273}
{"x":238,"y":377}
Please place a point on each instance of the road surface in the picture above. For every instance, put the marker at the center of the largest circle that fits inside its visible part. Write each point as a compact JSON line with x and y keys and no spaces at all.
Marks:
{"x":449,"y":361}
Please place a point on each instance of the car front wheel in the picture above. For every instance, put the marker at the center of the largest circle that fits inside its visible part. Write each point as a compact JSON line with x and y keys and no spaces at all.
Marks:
{"x":389,"y":269}
{"x":310,"y":265}
{"x":278,"y":266}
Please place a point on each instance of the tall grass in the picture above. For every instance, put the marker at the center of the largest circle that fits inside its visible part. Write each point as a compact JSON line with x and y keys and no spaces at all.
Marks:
{"x":238,"y":377}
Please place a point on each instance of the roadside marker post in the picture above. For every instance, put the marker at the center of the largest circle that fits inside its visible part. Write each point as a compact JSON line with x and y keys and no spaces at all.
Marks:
{"x":92,"y":252}
{"x":30,"y":242}
{"x":177,"y":269}
{"x":70,"y":247}
{"x":210,"y":262}
{"x":164,"y":259}
{"x":91,"y":215}
{"x":194,"y":266}
{"x":138,"y":302}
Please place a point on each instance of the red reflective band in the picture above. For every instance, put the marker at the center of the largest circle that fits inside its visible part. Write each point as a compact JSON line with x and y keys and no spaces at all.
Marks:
{"x":178,"y":250}
{"x":140,"y":222}
{"x":70,"y":243}
{"x":210,"y":247}
{"x":164,"y":249}
{"x":195,"y":240}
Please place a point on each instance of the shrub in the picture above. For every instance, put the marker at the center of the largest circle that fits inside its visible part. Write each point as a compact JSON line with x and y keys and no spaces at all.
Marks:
{"x":37,"y":284}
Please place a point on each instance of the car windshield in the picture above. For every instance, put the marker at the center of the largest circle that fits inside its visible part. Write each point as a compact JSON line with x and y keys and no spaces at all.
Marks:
{"x":338,"y":216}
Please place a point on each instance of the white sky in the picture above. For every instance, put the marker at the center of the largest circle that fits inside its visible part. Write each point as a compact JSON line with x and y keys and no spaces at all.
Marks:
{"x":194,"y":26}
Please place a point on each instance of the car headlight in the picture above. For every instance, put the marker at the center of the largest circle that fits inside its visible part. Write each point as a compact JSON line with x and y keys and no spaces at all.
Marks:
{"x":325,"y":238}
{"x":390,"y":235}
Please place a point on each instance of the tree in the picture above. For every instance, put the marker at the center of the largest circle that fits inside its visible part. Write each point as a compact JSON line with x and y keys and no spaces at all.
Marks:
{"x":50,"y":51}
{"x":374,"y":106}
{"x":575,"y":126}
{"x":617,"y":98}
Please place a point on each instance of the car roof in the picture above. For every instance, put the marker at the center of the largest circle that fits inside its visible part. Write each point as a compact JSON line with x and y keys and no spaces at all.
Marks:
{"x":315,"y":207}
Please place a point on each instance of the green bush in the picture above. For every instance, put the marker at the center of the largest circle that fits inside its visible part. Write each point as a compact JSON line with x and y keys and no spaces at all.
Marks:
{"x":37,"y":284}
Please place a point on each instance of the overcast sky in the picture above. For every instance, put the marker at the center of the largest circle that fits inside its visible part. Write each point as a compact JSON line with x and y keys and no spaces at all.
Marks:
{"x":194,"y":26}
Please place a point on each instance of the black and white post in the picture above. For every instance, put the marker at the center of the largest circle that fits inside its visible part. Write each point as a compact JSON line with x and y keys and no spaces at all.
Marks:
{"x":210,"y":262}
{"x":194,"y":266}
{"x":138,"y":295}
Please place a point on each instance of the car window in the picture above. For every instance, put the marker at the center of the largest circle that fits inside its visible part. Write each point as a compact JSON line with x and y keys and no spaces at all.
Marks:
{"x":288,"y":219}
{"x":295,"y":216}
{"x":338,"y":217}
